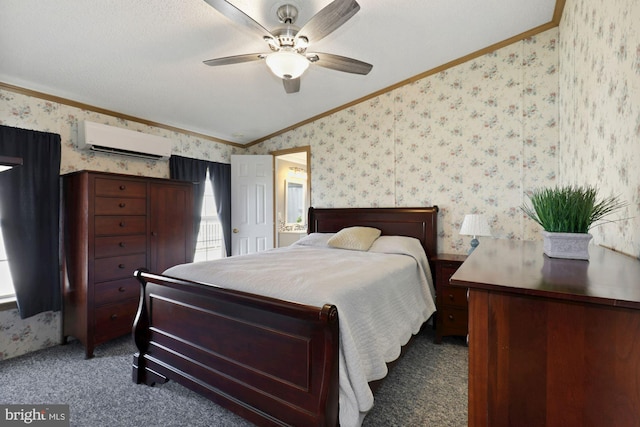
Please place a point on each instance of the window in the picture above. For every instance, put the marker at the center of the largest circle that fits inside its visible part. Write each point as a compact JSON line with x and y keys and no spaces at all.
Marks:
{"x":210,"y":244}
{"x":6,"y":282}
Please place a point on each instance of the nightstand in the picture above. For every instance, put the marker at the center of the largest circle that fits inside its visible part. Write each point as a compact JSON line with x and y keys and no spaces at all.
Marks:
{"x":451,"y":302}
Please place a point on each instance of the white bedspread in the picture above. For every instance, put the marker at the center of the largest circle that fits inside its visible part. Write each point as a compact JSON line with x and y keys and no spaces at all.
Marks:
{"x":383,"y":296}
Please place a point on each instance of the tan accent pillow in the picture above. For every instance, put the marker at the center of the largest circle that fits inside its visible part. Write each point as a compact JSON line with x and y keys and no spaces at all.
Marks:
{"x":354,"y":238}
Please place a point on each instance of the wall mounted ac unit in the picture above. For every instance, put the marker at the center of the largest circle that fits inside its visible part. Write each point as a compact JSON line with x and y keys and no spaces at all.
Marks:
{"x":109,"y":139}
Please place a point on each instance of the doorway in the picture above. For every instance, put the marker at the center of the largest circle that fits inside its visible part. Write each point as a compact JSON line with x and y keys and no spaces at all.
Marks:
{"x":292,"y":193}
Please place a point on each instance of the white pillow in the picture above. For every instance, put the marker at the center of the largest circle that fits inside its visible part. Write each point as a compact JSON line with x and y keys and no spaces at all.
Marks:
{"x":355,"y":238}
{"x":315,"y":239}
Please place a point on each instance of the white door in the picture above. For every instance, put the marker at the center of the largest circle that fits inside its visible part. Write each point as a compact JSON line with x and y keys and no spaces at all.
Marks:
{"x":251,"y":204}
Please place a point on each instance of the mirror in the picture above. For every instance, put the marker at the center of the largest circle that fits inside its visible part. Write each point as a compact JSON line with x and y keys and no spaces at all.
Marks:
{"x":295,"y":195}
{"x":292,"y":193}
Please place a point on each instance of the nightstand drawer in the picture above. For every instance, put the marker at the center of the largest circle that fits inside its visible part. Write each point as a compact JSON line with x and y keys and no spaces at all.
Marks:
{"x":451,"y":296}
{"x":446,"y":271}
{"x":454,"y":320}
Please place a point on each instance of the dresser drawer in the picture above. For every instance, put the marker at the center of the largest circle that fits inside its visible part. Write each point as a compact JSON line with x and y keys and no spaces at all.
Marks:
{"x":116,"y":291}
{"x":120,"y":206}
{"x":120,"y":187}
{"x":120,"y":245}
{"x":452,"y":296}
{"x":454,"y":320}
{"x":121,"y":267}
{"x":115,"y":320}
{"x":120,"y":225}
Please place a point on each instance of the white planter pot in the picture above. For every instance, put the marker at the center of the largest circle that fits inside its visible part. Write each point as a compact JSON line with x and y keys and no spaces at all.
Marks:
{"x":566,"y":245}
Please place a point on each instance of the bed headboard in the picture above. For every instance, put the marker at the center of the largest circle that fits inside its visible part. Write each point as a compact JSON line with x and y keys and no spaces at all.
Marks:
{"x":420,"y":223}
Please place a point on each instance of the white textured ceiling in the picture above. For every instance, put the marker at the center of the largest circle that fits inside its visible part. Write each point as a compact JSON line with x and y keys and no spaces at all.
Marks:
{"x":144,"y":58}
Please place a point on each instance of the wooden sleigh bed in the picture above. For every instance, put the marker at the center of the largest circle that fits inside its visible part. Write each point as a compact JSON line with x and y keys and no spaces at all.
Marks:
{"x":271,"y":361}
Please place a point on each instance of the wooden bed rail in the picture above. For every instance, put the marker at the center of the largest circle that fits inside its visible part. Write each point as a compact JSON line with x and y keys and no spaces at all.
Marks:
{"x":188,"y":332}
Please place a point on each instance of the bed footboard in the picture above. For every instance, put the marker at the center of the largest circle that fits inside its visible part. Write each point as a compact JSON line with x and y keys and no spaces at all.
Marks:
{"x":272,"y":362}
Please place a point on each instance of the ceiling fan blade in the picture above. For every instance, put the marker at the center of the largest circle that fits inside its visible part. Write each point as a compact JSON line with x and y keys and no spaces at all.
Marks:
{"x":239,"y":17}
{"x":328,"y":19}
{"x":237,"y":59}
{"x":291,"y":85}
{"x":339,"y":63}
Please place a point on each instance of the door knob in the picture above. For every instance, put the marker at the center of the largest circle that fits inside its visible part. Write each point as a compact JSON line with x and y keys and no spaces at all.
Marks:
{"x":235,"y":230}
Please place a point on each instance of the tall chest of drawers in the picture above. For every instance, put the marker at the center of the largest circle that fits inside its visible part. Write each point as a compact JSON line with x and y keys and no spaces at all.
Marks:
{"x":113,"y":225}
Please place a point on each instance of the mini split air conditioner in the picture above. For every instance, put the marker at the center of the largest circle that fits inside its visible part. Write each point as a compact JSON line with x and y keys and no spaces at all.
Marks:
{"x":115,"y":140}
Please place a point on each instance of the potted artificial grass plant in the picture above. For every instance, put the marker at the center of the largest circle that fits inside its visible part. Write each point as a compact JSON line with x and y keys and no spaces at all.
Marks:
{"x":566,"y":214}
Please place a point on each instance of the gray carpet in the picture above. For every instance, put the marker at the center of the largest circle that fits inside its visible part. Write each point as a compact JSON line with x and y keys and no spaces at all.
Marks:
{"x":427,"y":387}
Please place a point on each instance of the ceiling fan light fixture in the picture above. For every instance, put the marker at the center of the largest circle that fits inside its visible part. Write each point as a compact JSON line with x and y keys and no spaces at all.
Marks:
{"x":287,"y":64}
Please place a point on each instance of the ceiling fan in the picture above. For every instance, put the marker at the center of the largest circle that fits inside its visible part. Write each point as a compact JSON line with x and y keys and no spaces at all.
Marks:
{"x":289,"y":58}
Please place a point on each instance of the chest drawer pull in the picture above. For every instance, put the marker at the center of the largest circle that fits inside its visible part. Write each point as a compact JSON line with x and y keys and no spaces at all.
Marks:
{"x":451,"y":317}
{"x":121,"y":265}
{"x":451,"y":298}
{"x":121,"y":289}
{"x":122,"y":223}
{"x":114,"y":316}
{"x":123,"y":187}
{"x":122,"y":205}
{"x":122,"y":244}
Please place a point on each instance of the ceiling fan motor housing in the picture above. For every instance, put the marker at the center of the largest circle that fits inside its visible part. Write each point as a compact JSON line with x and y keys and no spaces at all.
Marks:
{"x":287,"y":14}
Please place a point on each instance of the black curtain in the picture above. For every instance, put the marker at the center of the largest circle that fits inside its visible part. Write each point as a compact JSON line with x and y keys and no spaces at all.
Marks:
{"x":194,"y":170}
{"x":30,"y":212}
{"x":220,"y":174}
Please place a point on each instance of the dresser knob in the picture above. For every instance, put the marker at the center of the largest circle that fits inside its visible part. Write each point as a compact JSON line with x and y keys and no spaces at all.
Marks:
{"x":114,"y":316}
{"x":123,"y":187}
{"x":154,"y":233}
{"x":122,"y":205}
{"x":451,"y":297}
{"x":121,"y":289}
{"x":122,"y":244}
{"x":121,"y":265}
{"x":122,"y":224}
{"x":451,"y":317}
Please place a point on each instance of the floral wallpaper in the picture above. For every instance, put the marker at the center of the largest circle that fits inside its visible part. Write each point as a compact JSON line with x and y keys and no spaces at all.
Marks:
{"x":18,"y":336}
{"x":600,"y":109}
{"x":470,"y":139}
{"x":21,"y":336}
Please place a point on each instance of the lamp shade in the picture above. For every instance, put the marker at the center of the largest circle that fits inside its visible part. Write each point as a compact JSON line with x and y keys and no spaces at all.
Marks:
{"x":287,"y":64}
{"x":475,"y":225}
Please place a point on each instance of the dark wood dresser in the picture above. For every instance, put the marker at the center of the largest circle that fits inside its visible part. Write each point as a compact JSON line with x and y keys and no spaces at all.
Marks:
{"x":451,"y":302}
{"x":113,"y":225}
{"x":552,"y":342}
